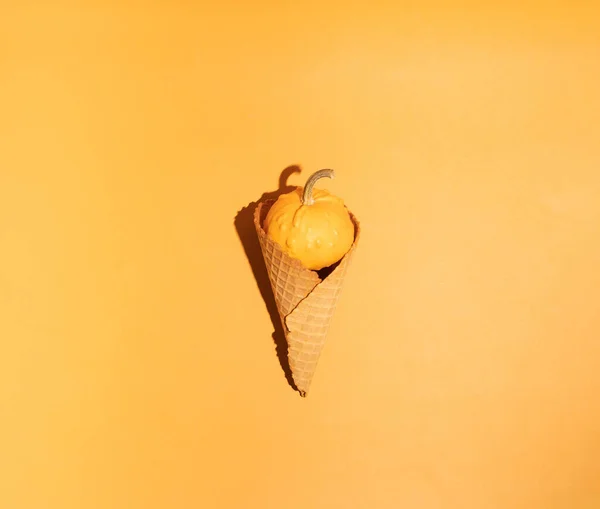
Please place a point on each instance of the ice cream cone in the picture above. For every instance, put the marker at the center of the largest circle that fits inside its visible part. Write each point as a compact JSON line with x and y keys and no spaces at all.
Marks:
{"x":306,"y":303}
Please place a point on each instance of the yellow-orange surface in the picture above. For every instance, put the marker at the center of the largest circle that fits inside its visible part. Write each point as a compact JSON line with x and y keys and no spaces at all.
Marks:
{"x":137,"y":367}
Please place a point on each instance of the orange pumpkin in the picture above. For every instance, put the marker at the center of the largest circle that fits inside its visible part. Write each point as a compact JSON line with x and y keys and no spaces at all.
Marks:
{"x":311,"y":225}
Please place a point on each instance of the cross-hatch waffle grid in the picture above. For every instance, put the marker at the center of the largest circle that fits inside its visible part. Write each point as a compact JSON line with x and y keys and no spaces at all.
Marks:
{"x":306,"y":303}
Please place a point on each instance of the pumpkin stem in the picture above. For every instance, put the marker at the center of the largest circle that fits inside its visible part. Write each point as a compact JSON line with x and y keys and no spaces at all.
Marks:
{"x":307,"y":197}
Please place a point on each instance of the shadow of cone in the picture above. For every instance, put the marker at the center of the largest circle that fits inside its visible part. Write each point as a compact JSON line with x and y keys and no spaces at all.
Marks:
{"x":244,"y":226}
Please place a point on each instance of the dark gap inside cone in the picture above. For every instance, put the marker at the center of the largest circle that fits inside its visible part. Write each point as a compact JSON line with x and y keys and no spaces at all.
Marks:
{"x":326,"y":271}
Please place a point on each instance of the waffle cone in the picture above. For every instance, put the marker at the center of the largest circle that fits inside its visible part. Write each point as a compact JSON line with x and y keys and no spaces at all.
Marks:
{"x":306,"y":303}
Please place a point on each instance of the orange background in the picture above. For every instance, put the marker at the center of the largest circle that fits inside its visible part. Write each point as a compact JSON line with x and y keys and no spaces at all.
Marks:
{"x":137,"y":368}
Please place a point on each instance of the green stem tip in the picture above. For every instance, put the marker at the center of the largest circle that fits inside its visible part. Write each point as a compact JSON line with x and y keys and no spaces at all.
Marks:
{"x":307,"y":197}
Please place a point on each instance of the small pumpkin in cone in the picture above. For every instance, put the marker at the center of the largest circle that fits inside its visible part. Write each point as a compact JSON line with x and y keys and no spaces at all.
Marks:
{"x":300,"y":233}
{"x":311,"y":225}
